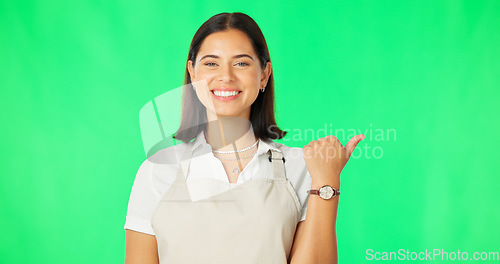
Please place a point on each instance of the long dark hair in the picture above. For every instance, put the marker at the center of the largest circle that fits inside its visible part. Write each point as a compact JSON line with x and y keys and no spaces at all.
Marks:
{"x":194,"y":118}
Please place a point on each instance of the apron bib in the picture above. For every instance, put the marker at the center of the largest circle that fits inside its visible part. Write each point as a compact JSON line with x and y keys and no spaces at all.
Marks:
{"x":253,"y":222}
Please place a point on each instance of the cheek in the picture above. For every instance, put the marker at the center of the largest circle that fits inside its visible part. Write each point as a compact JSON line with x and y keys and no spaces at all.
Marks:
{"x":252,"y":79}
{"x":204,"y":74}
{"x":203,"y":93}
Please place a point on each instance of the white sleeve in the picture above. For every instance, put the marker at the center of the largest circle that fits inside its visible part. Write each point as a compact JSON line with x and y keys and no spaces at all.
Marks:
{"x":299,"y":177}
{"x":143,"y":200}
{"x":305,"y":200}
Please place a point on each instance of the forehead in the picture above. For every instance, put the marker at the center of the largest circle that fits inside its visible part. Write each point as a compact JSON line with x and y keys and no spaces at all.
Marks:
{"x":226,"y":43}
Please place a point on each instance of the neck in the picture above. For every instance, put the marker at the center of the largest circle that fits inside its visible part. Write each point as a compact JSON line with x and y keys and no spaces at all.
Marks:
{"x":229,"y":133}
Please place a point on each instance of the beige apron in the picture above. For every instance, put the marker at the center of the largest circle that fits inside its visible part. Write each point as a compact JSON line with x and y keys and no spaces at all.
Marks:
{"x":253,"y":222}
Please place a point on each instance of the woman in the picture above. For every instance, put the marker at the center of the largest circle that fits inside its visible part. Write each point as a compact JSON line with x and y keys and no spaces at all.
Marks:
{"x":255,"y":213}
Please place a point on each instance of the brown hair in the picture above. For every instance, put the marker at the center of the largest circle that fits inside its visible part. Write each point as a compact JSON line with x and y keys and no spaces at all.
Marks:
{"x":194,"y":119}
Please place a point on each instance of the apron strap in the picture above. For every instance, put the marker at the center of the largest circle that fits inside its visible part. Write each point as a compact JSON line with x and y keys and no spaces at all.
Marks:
{"x":278,"y":164}
{"x":184,"y":162}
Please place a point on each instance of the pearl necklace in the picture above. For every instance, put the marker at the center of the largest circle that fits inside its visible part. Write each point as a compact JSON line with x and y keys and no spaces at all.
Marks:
{"x":234,"y":151}
{"x":246,"y":157}
{"x":236,"y":170}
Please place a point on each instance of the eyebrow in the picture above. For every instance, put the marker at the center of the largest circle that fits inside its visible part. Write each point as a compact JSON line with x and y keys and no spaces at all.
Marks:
{"x":234,"y":57}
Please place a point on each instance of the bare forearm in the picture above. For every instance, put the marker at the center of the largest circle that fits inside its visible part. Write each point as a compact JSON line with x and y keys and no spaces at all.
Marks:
{"x":319,"y":239}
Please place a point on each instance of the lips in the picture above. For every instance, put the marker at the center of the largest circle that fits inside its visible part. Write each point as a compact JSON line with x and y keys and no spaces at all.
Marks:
{"x":226,"y":94}
{"x":219,"y":92}
{"x":226,"y":89}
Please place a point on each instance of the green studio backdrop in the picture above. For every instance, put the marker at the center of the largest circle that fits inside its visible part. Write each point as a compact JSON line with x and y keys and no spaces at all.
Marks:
{"x":419,"y":79}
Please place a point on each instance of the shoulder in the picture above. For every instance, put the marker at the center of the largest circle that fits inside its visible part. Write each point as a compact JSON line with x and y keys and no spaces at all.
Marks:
{"x":170,"y":155}
{"x":156,"y":164}
{"x":157,"y":172}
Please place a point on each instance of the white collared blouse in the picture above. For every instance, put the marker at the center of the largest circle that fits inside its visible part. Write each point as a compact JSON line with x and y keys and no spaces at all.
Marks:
{"x":206,"y":177}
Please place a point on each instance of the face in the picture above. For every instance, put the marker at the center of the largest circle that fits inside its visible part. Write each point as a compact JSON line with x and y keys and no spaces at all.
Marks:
{"x":228,"y":74}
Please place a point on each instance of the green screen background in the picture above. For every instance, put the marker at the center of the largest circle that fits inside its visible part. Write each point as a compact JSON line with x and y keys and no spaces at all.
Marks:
{"x":420,"y":77}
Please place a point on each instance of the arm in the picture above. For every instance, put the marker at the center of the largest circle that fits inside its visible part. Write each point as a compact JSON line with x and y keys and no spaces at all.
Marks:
{"x":140,"y":248}
{"x":315,"y":239}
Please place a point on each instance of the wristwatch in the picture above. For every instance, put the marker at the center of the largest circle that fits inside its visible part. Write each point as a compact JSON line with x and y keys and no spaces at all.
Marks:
{"x":326,"y":192}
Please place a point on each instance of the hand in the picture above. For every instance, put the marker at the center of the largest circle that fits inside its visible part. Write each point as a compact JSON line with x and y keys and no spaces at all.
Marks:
{"x":326,"y":157}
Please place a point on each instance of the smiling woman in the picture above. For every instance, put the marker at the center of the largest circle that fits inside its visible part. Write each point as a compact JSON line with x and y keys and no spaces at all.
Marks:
{"x":228,"y":63}
{"x":229,"y":53}
{"x":233,"y":195}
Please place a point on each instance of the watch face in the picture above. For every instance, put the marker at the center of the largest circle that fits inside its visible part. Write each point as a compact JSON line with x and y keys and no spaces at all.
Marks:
{"x":326,"y":192}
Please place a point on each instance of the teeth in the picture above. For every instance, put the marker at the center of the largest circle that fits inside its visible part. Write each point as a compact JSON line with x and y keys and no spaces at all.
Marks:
{"x":225,"y":93}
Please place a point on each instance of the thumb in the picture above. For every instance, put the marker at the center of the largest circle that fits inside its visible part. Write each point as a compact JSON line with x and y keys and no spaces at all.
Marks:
{"x":353,"y":143}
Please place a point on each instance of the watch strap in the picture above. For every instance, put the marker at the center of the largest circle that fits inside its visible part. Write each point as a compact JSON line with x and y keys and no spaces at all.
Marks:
{"x":316,"y":192}
{"x":313,"y":192}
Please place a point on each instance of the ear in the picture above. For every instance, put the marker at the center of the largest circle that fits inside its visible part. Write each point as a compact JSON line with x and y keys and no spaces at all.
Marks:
{"x":265,"y":74}
{"x":191,"y":70}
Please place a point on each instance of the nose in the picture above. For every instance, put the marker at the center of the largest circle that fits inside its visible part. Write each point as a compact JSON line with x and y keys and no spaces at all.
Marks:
{"x":226,"y":73}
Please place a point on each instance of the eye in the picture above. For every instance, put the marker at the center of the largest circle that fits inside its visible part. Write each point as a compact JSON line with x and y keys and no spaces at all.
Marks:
{"x":242,"y":63}
{"x":210,"y":64}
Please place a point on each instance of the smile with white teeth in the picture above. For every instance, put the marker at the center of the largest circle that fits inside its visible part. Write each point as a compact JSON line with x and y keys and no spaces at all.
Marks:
{"x":226,"y":93}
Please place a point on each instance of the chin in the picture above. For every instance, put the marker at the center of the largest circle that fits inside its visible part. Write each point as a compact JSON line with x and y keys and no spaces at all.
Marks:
{"x":228,"y":113}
